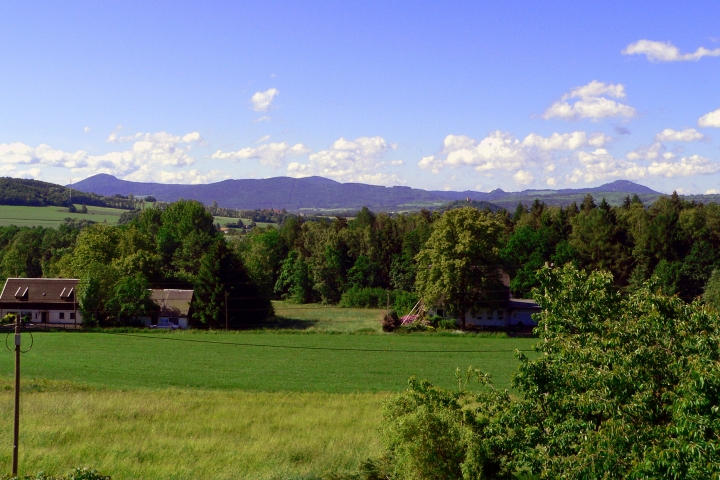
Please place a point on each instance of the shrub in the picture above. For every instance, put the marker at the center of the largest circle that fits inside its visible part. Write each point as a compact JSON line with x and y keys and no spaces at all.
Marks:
{"x":367,"y":297}
{"x":390,"y":321}
{"x":403,"y":301}
{"x":446,"y":324}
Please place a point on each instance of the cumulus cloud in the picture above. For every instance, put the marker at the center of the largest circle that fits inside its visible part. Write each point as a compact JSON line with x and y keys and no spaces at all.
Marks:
{"x":502,"y":151}
{"x":261,"y":101}
{"x":711,"y":119}
{"x":685,"y":167}
{"x":686,"y":135}
{"x":594,"y":101}
{"x":359,"y":160}
{"x":601,"y":165}
{"x":271,"y":154}
{"x":86,"y":129}
{"x":567,"y":141}
{"x":666,"y":52}
{"x":650,"y":152}
{"x":523,"y":177}
{"x":712,"y":191}
{"x":147,"y":151}
{"x":193,"y":177}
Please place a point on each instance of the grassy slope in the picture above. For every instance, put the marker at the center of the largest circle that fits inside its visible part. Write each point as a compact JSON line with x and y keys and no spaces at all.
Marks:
{"x":53,"y":216}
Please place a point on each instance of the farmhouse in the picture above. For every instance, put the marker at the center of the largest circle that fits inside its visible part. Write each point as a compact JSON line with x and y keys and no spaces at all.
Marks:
{"x":173,"y":308}
{"x":41,"y":300}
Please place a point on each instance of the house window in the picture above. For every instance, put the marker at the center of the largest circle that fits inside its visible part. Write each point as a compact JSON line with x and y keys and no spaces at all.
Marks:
{"x":61,"y":315}
{"x":174,"y":321}
{"x":72,"y":315}
{"x":501,"y":314}
{"x":440,"y":312}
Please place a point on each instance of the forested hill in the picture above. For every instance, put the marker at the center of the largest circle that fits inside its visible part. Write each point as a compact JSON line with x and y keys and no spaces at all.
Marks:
{"x":20,"y":191}
{"x":318,"y":193}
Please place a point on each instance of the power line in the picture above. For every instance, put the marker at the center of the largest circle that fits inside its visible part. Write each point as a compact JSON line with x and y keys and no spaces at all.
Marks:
{"x":301,"y":347}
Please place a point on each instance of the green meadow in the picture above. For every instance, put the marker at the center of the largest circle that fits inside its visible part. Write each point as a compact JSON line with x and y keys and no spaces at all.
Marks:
{"x":54,"y":216}
{"x":300,"y":400}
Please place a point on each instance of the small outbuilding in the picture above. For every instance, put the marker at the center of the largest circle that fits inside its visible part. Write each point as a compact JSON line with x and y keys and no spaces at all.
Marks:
{"x":49,"y":301}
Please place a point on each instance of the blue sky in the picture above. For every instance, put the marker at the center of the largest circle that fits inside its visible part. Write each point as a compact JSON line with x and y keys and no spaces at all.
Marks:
{"x":439,"y":95}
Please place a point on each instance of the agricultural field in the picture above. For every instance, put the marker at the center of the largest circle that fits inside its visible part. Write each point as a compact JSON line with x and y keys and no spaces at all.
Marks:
{"x":225,"y":220}
{"x":300,"y":402}
{"x":54,"y":216}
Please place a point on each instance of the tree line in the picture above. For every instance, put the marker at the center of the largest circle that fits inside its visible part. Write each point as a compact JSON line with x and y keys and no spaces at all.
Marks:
{"x":453,"y":257}
{"x":323,"y":260}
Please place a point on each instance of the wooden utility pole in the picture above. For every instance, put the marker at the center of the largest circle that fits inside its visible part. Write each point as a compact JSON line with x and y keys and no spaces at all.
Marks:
{"x":16,"y":426}
{"x":388,"y":305}
{"x":226,"y":310}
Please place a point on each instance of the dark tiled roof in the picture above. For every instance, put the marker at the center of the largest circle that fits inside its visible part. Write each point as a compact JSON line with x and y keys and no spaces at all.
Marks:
{"x":39,"y":290}
{"x":523,"y":303}
{"x":172,"y":303}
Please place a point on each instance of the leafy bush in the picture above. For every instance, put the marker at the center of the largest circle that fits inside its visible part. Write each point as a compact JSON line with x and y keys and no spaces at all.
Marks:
{"x":403,"y":301}
{"x":390,"y":321}
{"x":624,"y":387}
{"x":446,"y":324}
{"x":364,"y":298}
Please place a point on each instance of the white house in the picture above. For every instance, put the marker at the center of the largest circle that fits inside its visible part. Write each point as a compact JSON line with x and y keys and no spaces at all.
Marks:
{"x":41,"y":300}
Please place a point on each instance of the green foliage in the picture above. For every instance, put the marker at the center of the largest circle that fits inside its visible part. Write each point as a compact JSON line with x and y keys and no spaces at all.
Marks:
{"x":712,"y":291}
{"x":624,"y":387}
{"x":459,"y":265}
{"x":130,"y":297}
{"x":294,"y":283}
{"x":367,"y":297}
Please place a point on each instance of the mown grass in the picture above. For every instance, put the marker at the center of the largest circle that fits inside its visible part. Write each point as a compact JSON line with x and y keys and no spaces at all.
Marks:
{"x":263,"y":361}
{"x":191,"y":434}
{"x":54,"y":216}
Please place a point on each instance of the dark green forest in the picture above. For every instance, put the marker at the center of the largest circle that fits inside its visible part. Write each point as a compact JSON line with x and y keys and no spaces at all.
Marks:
{"x":34,"y":193}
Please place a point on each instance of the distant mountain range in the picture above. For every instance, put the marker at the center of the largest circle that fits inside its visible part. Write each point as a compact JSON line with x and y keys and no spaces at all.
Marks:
{"x":321,"y":194}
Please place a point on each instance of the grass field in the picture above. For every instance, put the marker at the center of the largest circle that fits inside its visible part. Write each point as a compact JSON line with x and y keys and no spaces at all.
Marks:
{"x":266,"y":404}
{"x":54,"y":216}
{"x":314,"y":317}
{"x":191,"y":434}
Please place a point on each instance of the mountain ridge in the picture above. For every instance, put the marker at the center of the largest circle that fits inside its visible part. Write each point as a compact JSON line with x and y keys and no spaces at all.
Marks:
{"x":320,"y":193}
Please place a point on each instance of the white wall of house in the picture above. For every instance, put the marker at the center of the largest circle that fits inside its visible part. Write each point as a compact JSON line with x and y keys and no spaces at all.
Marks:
{"x":53,"y":316}
{"x":487,"y":317}
{"x":522,"y":316}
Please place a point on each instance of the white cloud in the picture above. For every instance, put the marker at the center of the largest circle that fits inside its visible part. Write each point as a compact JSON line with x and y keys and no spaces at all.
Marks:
{"x":666,"y":51}
{"x":593,"y":103}
{"x":686,"y":167}
{"x":262,"y":139}
{"x":652,"y":152}
{"x":193,"y":177}
{"x":567,"y":141}
{"x":148,"y":150}
{"x":502,"y":151}
{"x":711,"y":119}
{"x":270,"y":154}
{"x":86,"y":129}
{"x":551,"y":182}
{"x":601,"y":165}
{"x":523,"y":177}
{"x":686,"y":135}
{"x":712,"y":191}
{"x":358,"y":160}
{"x":261,"y":100}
